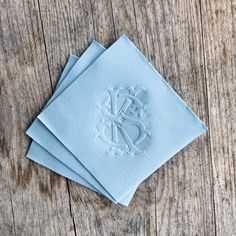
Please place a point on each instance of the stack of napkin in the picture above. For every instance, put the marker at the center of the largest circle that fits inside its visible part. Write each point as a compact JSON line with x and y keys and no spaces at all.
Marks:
{"x":112,"y":121}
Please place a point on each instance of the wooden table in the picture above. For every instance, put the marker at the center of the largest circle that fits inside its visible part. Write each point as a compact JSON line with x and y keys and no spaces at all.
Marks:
{"x":192,"y":43}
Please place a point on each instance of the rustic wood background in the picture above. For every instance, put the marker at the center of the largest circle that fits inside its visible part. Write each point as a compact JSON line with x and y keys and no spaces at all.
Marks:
{"x":192,"y":43}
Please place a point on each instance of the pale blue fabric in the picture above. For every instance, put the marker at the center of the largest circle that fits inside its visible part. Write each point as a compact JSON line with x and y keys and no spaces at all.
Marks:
{"x":53,"y":148}
{"x":74,"y":116}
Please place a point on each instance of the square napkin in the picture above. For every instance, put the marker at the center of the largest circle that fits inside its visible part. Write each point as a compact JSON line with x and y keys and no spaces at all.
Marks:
{"x":121,"y":119}
{"x":54,"y":150}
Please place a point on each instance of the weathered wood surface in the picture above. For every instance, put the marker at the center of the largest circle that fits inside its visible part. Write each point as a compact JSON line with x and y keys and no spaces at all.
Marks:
{"x":192,"y":43}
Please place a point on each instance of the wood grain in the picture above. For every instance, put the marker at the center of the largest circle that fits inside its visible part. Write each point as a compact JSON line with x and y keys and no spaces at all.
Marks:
{"x":220,"y":58}
{"x":192,"y":43}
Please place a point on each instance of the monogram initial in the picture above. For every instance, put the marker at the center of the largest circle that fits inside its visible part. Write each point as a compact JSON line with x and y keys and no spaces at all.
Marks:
{"x":122,"y":126}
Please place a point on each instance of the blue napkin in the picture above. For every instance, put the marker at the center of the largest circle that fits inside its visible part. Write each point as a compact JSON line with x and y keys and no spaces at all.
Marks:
{"x":121,"y":119}
{"x":52,"y":146}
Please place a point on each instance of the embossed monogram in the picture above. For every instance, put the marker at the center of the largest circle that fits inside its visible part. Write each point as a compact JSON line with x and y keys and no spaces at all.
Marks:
{"x":123,"y":122}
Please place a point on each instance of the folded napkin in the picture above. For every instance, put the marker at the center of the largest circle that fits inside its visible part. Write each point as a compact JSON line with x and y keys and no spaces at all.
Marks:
{"x":118,"y":118}
{"x":46,"y":146}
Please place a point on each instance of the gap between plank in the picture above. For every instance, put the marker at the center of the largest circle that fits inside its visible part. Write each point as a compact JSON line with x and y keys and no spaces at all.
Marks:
{"x":45,"y":46}
{"x":208,"y":112}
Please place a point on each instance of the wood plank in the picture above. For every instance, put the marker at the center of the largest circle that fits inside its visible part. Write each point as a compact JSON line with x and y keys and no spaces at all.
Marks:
{"x":170,"y":33}
{"x":103,"y":24}
{"x":68,"y":29}
{"x":219,"y":18}
{"x":33,"y":200}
